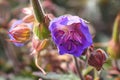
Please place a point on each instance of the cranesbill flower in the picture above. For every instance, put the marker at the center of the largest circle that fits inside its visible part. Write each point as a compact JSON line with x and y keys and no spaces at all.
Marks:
{"x":19,"y":33}
{"x":70,"y":34}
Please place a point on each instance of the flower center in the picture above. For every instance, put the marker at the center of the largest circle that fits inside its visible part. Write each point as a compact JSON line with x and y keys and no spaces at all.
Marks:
{"x":70,"y":39}
{"x":69,"y":45}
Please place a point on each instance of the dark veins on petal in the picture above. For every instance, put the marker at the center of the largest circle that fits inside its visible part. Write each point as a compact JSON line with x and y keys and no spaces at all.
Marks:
{"x":58,"y":34}
{"x":71,"y":39}
{"x":69,"y":45}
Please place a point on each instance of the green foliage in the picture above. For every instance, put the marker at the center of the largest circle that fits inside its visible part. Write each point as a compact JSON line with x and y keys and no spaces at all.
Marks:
{"x":17,"y":78}
{"x":41,"y":31}
{"x":55,"y":76}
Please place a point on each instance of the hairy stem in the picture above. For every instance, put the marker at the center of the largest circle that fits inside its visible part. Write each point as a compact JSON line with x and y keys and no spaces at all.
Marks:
{"x":38,"y":66}
{"x":38,"y":10}
{"x":77,"y":69}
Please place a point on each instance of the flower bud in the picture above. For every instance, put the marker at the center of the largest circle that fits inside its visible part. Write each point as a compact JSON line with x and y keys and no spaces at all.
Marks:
{"x":114,"y":44}
{"x":114,"y":49}
{"x":97,"y":59}
{"x":19,"y":33}
{"x":38,"y":44}
{"x":29,"y":18}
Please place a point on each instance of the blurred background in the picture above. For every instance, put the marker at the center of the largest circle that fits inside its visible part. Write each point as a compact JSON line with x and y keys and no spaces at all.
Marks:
{"x":16,"y":63}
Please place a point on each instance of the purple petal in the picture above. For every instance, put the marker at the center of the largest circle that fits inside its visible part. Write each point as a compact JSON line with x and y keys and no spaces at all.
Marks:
{"x":70,"y":34}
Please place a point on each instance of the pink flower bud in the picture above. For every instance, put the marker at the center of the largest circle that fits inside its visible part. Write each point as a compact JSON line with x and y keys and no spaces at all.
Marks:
{"x":39,"y":45}
{"x":19,"y":33}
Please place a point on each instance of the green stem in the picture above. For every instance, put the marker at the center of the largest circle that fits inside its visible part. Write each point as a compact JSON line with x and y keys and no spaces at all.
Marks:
{"x":38,"y":10}
{"x":87,"y":70}
{"x":36,"y":63}
{"x":40,"y":29}
{"x":95,"y":74}
{"x":77,"y":69}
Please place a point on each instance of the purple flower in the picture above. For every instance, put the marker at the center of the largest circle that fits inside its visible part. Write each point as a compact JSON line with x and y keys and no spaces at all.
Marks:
{"x":70,"y":34}
{"x":19,"y":33}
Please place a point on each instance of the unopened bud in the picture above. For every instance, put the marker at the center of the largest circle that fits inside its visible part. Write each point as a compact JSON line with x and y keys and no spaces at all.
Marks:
{"x":19,"y":33}
{"x":39,"y":45}
{"x":114,"y":49}
{"x":29,"y":18}
{"x":114,"y":44}
{"x":97,"y":59}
